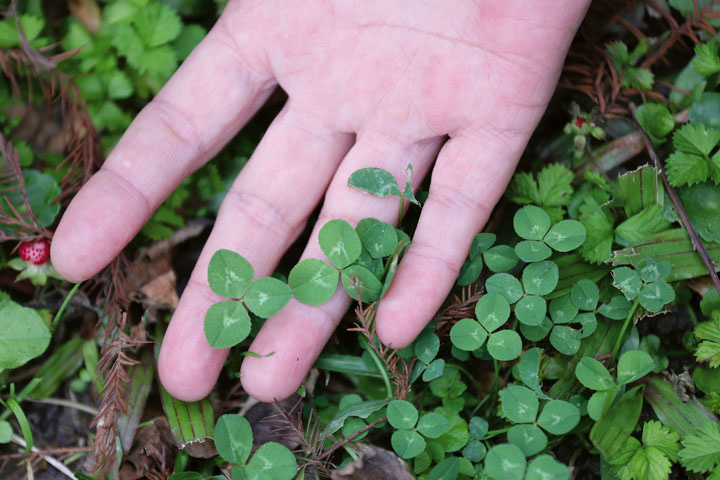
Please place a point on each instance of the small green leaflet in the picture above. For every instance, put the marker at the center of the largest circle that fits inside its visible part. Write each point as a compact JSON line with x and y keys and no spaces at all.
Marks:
{"x":492,"y":311}
{"x":519,"y":404}
{"x":531,"y":222}
{"x":24,"y":334}
{"x":433,"y":425}
{"x":402,"y":414}
{"x":378,"y":238}
{"x":528,"y":437}
{"x":374,"y":181}
{"x":504,"y":345}
{"x":356,"y":279}
{"x":706,"y":61}
{"x":226,"y":324}
{"x":540,"y":278}
{"x":566,"y":235}
{"x":229,"y":274}
{"x":558,"y":417}
{"x":272,"y":461}
{"x":505,"y":462}
{"x":313,"y":281}
{"x":267,"y":296}
{"x":407,"y":443}
{"x":593,"y":374}
{"x":339,"y":242}
{"x":468,"y":335}
{"x":233,"y":438}
{"x":655,"y":119}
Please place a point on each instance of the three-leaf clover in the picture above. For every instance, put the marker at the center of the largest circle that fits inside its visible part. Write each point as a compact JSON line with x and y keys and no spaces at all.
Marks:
{"x":632,"y":366}
{"x":520,"y":405}
{"x":533,"y":225}
{"x":491,"y":312}
{"x":472,"y":267}
{"x":645,"y":285}
{"x":508,"y":462}
{"x":230,"y":275}
{"x":234,"y":442}
{"x":407,"y":440}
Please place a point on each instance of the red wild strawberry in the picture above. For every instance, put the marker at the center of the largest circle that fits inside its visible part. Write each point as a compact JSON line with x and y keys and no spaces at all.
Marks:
{"x":580,"y":121}
{"x":36,"y":252}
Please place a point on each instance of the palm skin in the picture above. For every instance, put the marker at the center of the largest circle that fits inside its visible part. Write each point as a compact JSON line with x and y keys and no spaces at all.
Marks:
{"x":370,"y":84}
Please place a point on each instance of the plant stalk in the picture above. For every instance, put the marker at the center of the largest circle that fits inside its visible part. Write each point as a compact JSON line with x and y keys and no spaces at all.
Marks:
{"x":618,"y":342}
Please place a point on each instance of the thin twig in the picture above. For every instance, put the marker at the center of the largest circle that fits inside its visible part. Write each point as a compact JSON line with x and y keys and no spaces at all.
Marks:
{"x":697,"y":243}
{"x":52,"y":461}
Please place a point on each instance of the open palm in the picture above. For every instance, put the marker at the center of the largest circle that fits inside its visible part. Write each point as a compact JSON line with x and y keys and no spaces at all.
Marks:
{"x":370,"y":83}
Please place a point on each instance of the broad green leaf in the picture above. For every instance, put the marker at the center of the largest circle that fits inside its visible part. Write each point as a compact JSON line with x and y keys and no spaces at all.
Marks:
{"x":468,"y":335}
{"x":505,"y":462}
{"x":313,"y":281}
{"x":233,"y":438}
{"x":529,"y":438}
{"x":41,"y":189}
{"x":229,"y":274}
{"x":504,"y":345}
{"x":558,"y":417}
{"x":633,"y":365}
{"x":500,"y":258}
{"x":272,"y":461}
{"x":190,"y":422}
{"x":640,"y":189}
{"x":506,"y":285}
{"x":24,"y":335}
{"x":599,"y":225}
{"x":683,"y":418}
{"x":563,"y":310}
{"x":402,"y":414}
{"x":600,"y":402}
{"x":610,"y":432}
{"x":433,"y":425}
{"x":378,"y":238}
{"x":356,"y":279}
{"x":654,"y":296}
{"x":540,"y":278}
{"x":360,"y":410}
{"x":267,"y":296}
{"x":5,"y":432}
{"x":492,"y":311}
{"x":566,"y":235}
{"x":655,"y":119}
{"x":532,"y":251}
{"x":446,"y":470}
{"x":531,"y":222}
{"x":519,"y":404}
{"x":702,"y":204}
{"x":531,"y":310}
{"x":593,"y":374}
{"x":226,"y":324}
{"x":339,"y":242}
{"x":545,"y":467}
{"x":407,"y":443}
{"x":61,"y":365}
{"x":644,"y":223}
{"x":374,"y":181}
{"x":565,"y":340}
{"x":585,"y":294}
{"x":704,"y":110}
{"x":628,"y":281}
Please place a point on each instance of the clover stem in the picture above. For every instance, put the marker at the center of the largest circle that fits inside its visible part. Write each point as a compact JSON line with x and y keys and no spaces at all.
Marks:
{"x":618,"y":342}
{"x":379,"y":365}
{"x":400,"y":210}
{"x":60,"y":311}
{"x":492,"y":433}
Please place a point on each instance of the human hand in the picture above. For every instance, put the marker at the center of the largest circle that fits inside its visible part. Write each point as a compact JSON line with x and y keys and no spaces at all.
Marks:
{"x":370,"y":84}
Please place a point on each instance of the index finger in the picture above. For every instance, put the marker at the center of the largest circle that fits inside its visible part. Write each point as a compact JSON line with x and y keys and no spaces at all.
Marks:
{"x":211,"y":96}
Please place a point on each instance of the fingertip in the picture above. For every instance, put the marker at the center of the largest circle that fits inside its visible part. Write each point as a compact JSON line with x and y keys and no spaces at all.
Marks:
{"x":391,"y":329}
{"x":61,"y":259}
{"x":263,"y":381}
{"x":186,"y":378}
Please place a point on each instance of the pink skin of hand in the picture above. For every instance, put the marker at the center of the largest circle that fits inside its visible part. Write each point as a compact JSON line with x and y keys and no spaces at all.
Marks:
{"x":371,"y":83}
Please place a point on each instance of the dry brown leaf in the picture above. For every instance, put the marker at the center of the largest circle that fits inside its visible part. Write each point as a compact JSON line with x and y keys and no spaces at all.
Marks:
{"x":160,"y":292}
{"x":86,"y":12}
{"x":374,"y":464}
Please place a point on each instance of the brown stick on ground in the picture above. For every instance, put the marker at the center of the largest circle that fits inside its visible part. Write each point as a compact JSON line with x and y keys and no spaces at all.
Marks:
{"x":697,"y":243}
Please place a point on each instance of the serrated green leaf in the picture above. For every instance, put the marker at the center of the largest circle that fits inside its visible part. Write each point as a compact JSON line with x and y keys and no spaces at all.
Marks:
{"x":701,"y":452}
{"x":707,"y":61}
{"x":639,"y":226}
{"x":656,"y":435}
{"x":686,"y":169}
{"x":708,"y":333}
{"x":555,"y":185}
{"x":696,"y":139}
{"x":158,"y":24}
{"x":599,"y":226}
